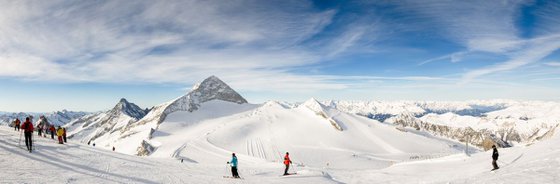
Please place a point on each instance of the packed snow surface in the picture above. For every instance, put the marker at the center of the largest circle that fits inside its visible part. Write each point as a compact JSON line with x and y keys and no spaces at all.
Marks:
{"x":80,"y":163}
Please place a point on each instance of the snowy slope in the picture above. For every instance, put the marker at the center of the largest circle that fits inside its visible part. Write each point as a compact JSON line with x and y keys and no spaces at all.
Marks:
{"x":79,"y":163}
{"x":315,"y":133}
{"x":100,"y":126}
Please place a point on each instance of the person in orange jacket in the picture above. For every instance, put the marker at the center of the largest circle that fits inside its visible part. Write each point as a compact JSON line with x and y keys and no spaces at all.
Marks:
{"x":287,"y":163}
{"x":28,"y":131}
{"x":17,"y":124}
{"x":59,"y":133}
{"x":52,"y":130}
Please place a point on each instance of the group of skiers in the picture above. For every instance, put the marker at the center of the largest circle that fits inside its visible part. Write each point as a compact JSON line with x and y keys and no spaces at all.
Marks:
{"x":42,"y":130}
{"x":233,"y":164}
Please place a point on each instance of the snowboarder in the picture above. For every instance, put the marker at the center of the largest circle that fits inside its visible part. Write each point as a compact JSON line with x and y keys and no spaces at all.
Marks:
{"x":287,"y":163}
{"x":495,"y":157}
{"x":233,"y":163}
{"x":59,"y":133}
{"x":64,"y":134}
{"x":52,"y":131}
{"x":28,"y":131}
{"x":16,"y":124}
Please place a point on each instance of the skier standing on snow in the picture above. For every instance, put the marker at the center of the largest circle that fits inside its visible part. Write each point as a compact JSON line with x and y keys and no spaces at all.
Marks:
{"x":39,"y":129}
{"x":17,"y":124}
{"x":59,"y":133}
{"x":495,"y":157}
{"x":287,"y":163}
{"x":28,"y":131}
{"x":52,"y":131}
{"x":233,"y":163}
{"x":64,"y":134}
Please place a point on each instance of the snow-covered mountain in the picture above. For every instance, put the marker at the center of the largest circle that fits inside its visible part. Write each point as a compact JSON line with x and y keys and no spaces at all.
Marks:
{"x":213,"y":119}
{"x":482,"y":123}
{"x":105,"y":124}
{"x":131,"y":137}
{"x":57,"y":118}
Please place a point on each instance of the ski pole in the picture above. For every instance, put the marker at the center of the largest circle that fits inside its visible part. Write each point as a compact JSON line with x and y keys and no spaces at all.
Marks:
{"x":292,"y":166}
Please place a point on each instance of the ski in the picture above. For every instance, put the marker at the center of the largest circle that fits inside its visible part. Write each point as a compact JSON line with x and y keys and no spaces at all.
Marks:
{"x":231,"y":177}
{"x":289,"y":174}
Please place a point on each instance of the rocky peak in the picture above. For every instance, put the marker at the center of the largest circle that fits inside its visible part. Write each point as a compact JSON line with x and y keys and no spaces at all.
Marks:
{"x":212,"y":88}
{"x":129,"y":109}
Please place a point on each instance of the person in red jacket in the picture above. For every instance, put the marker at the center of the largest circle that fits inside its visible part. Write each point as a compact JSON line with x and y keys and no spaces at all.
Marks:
{"x":52,"y":131}
{"x":28,"y":131}
{"x":287,"y":163}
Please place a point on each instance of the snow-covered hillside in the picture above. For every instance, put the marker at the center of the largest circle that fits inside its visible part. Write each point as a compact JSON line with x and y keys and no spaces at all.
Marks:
{"x":482,"y":123}
{"x":99,"y":127}
{"x":79,"y":163}
{"x":57,"y":118}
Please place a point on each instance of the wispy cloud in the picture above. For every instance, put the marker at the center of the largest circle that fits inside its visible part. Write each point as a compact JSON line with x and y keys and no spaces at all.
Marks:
{"x":536,"y":49}
{"x":157,"y":41}
{"x":553,"y":64}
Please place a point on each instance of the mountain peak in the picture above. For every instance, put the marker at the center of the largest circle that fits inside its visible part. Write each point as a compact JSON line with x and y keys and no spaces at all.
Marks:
{"x":212,"y":88}
{"x":129,"y":109}
{"x":314,"y":105}
{"x":123,"y":100}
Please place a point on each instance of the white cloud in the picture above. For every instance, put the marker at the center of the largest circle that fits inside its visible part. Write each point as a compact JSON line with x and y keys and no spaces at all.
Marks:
{"x":159,"y":41}
{"x":534,"y":50}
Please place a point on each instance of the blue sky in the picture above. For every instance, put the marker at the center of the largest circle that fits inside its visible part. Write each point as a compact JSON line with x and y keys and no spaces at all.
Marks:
{"x":86,"y":55}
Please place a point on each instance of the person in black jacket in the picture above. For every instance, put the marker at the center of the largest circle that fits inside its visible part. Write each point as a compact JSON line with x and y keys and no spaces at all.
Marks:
{"x":495,"y":157}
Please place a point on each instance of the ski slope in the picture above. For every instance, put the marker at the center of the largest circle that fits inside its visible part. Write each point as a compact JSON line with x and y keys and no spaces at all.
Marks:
{"x":315,"y":134}
{"x":79,"y":163}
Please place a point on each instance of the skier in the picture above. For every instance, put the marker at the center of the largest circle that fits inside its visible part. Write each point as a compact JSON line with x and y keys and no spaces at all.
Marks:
{"x":93,"y":144}
{"x":28,"y":131}
{"x":495,"y":157}
{"x":113,"y":148}
{"x":233,"y":163}
{"x":59,"y":133}
{"x":52,"y":131}
{"x":64,"y":134}
{"x":16,"y":124}
{"x":39,"y":129}
{"x":287,"y":163}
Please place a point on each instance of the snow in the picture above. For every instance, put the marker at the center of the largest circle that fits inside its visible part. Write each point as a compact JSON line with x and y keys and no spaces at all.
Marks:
{"x":79,"y":163}
{"x":329,"y":142}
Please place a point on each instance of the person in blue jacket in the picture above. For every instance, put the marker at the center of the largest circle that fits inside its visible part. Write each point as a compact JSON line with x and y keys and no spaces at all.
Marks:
{"x":233,"y":163}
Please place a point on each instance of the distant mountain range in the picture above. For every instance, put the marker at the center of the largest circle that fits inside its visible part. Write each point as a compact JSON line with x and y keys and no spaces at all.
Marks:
{"x":57,"y":118}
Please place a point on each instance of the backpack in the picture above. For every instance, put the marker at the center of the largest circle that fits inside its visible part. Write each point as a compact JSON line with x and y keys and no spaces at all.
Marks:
{"x":25,"y":125}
